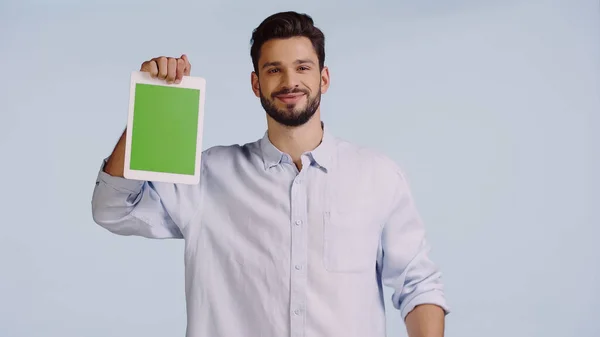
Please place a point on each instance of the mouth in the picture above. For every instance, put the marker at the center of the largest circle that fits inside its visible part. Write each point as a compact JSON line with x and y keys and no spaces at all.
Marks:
{"x":290,"y":98}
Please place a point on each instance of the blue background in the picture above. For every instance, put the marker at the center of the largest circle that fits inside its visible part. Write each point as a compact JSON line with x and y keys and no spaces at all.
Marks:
{"x":491,"y":107}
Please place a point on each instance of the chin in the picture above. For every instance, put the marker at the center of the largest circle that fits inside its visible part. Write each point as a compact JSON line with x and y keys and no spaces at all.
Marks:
{"x":296,"y":107}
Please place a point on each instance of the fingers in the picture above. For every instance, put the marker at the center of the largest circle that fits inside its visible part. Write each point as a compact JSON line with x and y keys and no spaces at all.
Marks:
{"x":163,"y":65}
{"x":188,"y":65}
{"x":150,"y":67}
{"x":180,"y":70}
{"x":169,"y":69}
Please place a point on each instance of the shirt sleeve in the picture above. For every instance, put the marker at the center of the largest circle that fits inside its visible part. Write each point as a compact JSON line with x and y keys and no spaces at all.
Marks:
{"x":405,"y":264}
{"x":133,"y":207}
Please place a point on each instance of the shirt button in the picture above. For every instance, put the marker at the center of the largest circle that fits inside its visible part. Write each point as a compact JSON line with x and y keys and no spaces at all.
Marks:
{"x":298,"y":222}
{"x":298,"y":181}
{"x":297,"y":312}
{"x":298,"y":267}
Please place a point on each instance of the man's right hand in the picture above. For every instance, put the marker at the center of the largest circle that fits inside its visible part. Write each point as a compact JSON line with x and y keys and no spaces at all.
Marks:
{"x":170,"y":69}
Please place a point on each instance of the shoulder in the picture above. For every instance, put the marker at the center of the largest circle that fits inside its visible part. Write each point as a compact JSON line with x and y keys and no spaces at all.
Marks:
{"x":367,"y":159}
{"x":219,"y":156}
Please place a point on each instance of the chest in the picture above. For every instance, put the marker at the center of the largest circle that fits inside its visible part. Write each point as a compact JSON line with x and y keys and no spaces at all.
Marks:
{"x":331,"y":218}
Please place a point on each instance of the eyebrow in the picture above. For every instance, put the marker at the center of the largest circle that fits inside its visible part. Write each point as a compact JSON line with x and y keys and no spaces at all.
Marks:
{"x":277,"y":63}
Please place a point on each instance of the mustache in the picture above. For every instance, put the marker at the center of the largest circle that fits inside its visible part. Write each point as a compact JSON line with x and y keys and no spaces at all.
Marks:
{"x":286,"y":91}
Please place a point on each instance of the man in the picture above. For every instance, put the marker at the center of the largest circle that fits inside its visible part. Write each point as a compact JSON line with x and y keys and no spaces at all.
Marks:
{"x":291,"y":235}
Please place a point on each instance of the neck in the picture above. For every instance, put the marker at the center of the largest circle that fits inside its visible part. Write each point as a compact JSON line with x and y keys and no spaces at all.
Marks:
{"x":296,"y":140}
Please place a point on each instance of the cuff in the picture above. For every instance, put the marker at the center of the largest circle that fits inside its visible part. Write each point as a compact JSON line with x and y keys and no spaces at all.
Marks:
{"x":118,"y":183}
{"x":434,"y":297}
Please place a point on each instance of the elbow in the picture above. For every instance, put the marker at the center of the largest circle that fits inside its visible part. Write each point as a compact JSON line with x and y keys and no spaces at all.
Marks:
{"x":111,"y":209}
{"x":116,"y":220}
{"x":431,"y":297}
{"x":428,"y":288}
{"x":419,"y":283}
{"x":123,"y":221}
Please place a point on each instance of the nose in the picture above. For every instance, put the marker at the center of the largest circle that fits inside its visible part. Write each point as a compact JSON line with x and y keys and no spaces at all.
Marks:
{"x":290,"y":80}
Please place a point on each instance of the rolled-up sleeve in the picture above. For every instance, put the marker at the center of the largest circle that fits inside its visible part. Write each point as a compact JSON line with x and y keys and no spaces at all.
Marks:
{"x":132,"y":207}
{"x":405,"y":263}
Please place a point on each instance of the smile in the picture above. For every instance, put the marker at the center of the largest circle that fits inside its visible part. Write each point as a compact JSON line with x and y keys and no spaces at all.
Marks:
{"x":290,"y":98}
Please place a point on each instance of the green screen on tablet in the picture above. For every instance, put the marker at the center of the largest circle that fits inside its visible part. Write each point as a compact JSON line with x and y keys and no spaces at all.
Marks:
{"x":165,"y":129}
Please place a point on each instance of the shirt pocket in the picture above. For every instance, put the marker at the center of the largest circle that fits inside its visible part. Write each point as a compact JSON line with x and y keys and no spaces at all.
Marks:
{"x":350,"y":242}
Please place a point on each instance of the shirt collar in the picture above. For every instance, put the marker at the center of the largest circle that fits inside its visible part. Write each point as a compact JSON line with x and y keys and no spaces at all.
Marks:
{"x":321,"y":156}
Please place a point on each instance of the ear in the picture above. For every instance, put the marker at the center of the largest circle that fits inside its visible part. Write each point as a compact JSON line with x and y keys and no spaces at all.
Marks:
{"x":325,"y":79}
{"x":255,"y":84}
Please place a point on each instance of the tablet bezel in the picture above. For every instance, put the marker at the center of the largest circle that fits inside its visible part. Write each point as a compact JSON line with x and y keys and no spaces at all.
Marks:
{"x":138,"y":77}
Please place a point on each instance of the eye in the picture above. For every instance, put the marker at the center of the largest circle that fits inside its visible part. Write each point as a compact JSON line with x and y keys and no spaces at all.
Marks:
{"x":272,"y":70}
{"x":303,"y":68}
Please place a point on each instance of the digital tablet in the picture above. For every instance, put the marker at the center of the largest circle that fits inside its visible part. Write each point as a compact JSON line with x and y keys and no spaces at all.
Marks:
{"x":164,"y":129}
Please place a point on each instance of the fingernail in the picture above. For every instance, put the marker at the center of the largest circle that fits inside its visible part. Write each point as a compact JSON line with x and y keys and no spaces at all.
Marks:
{"x":178,"y":81}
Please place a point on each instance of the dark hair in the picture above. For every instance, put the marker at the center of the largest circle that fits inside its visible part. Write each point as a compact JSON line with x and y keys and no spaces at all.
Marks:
{"x":285,"y":25}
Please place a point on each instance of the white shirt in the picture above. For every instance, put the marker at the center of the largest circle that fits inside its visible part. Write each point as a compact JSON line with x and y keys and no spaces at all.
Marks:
{"x":271,"y":251}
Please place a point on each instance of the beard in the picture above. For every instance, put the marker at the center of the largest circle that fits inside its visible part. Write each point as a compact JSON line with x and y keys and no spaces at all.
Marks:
{"x":291,"y":116}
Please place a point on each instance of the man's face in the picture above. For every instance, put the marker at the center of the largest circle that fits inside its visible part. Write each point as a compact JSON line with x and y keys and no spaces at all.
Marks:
{"x":289,"y":82}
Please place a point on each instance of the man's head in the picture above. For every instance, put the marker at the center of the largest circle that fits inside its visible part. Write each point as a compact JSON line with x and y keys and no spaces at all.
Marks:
{"x":288,"y":56}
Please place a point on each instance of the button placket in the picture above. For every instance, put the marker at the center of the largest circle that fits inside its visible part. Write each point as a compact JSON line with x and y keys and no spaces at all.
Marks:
{"x":299,"y":217}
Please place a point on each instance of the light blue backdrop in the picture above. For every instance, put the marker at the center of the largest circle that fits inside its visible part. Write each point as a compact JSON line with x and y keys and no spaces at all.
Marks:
{"x":491,"y":107}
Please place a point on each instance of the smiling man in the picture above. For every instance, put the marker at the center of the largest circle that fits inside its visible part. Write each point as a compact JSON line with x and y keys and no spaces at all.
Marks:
{"x":293,"y":235}
{"x":294,"y":97}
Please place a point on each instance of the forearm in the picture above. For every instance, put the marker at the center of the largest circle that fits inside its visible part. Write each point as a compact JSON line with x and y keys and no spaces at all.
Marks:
{"x":426,"y":320}
{"x":116,"y":162}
